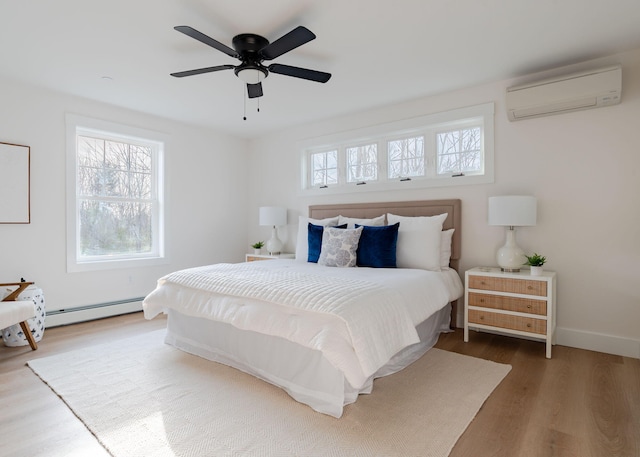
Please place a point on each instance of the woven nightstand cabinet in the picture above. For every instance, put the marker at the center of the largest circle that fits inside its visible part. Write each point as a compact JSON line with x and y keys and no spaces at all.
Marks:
{"x":516,"y":304}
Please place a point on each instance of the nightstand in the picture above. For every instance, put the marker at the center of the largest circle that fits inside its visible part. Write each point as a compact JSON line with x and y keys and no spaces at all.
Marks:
{"x":517,"y":304}
{"x":254,"y":257}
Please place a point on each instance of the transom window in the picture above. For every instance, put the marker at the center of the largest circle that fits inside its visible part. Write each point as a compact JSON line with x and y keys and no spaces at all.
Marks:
{"x":324,"y":168}
{"x":362,"y":163}
{"x":459,"y":151}
{"x":406,"y":157}
{"x":115,"y":196}
{"x":454,"y":147}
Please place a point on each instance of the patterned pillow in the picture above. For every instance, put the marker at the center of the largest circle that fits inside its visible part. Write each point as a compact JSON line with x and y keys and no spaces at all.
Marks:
{"x":339,"y":247}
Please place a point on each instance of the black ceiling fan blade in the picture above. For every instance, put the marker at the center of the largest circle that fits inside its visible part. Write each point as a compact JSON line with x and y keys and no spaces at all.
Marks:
{"x":254,"y":90}
{"x":199,"y":71}
{"x":201,"y":37}
{"x":297,"y":72}
{"x":297,"y":37}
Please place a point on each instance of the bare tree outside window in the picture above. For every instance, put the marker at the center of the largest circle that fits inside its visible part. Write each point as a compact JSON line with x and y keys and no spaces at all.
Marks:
{"x":362,"y":163}
{"x":459,"y":151}
{"x":115,"y":197}
{"x":406,"y":157}
{"x":324,"y":168}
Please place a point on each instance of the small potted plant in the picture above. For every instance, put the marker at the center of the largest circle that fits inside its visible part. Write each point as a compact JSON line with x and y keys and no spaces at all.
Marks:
{"x":535,"y":261}
{"x":257,"y":247}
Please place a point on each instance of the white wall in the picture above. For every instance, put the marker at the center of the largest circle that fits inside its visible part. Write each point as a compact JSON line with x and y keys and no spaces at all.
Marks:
{"x":206,"y":199}
{"x":583,"y":167}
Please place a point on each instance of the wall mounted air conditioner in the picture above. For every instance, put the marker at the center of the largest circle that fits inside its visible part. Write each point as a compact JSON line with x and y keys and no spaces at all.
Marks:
{"x":578,"y":91}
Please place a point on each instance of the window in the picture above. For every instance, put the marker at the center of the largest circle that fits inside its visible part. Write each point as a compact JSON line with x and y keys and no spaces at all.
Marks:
{"x":324,"y":168}
{"x":406,"y":157}
{"x":441,"y":149}
{"x":362,"y":163}
{"x":459,"y":151}
{"x":115,"y":191}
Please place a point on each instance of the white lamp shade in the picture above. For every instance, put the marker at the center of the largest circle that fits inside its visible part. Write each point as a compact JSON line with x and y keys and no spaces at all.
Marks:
{"x":512,"y":210}
{"x":273,"y":215}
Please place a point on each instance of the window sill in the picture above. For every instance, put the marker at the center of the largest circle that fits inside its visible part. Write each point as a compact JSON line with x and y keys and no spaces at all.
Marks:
{"x":399,"y":185}
{"x":77,"y":267}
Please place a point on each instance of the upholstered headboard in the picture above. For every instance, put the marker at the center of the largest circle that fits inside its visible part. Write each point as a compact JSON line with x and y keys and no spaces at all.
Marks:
{"x":408,"y":208}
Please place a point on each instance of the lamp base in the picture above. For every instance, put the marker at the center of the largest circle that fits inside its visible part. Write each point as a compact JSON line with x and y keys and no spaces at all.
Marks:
{"x":510,"y":257}
{"x":274,"y":245}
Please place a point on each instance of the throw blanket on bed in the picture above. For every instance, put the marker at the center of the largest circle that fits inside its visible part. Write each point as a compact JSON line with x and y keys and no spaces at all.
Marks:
{"x":376,"y":320}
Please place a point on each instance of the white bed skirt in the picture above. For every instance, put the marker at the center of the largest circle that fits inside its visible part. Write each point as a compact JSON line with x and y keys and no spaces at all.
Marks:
{"x":303,"y":373}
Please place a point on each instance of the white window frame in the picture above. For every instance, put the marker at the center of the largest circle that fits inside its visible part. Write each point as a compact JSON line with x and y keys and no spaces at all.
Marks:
{"x":326,"y":168}
{"x":427,"y":126}
{"x":458,"y":127}
{"x":405,"y":138}
{"x":80,"y":125}
{"x":360,"y":145}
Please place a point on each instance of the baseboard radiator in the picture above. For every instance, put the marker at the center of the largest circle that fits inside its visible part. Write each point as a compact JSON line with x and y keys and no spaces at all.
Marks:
{"x":76,"y":314}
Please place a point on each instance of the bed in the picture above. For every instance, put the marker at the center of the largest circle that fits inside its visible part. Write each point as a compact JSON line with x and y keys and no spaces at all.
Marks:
{"x":321,"y":333}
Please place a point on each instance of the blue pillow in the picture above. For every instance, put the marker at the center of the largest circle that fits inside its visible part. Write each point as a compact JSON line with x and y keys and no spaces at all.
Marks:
{"x":377,"y":247}
{"x":314,"y":238}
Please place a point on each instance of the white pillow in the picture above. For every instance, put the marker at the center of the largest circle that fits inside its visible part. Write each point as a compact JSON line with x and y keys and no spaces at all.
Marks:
{"x":302,"y":243}
{"x":339,"y":247}
{"x":419,"y":241}
{"x":445,"y":248}
{"x":352,"y":221}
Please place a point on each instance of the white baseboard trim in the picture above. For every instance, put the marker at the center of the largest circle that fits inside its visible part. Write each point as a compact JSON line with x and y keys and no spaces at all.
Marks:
{"x":88,"y":313}
{"x":590,"y":341}
{"x":580,"y":339}
{"x":598,"y":342}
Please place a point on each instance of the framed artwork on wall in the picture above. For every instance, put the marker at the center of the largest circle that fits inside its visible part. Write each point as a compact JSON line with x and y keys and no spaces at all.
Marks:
{"x":15,"y":205}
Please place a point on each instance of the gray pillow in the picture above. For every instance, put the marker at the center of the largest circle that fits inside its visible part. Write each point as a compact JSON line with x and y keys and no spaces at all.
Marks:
{"x":339,"y":247}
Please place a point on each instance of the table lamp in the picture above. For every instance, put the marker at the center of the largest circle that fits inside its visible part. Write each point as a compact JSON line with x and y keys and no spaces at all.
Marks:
{"x":273,"y":216}
{"x":512,"y":211}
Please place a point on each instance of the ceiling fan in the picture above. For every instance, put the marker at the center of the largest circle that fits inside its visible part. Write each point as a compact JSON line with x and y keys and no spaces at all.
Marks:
{"x":252,"y":50}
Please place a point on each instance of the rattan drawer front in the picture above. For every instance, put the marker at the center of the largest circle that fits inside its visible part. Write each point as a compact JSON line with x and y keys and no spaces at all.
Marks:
{"x":250,"y":258}
{"x":524,"y":324}
{"x":521,"y":305}
{"x":516,"y":286}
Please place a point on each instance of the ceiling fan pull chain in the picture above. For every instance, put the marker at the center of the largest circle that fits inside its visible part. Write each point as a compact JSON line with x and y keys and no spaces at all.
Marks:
{"x":258,"y":105}
{"x":244,"y":117}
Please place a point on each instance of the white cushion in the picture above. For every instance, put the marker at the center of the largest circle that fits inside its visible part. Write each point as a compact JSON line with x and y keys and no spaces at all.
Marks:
{"x":302,"y":242}
{"x":352,"y":221}
{"x":339,"y":247}
{"x":419,"y":241}
{"x":445,"y":248}
{"x":13,"y":312}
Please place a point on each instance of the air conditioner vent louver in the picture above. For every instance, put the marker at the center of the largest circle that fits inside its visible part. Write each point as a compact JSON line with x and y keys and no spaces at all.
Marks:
{"x":574,"y":92}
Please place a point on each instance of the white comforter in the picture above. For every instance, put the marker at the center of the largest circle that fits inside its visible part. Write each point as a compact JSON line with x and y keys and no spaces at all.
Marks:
{"x":358,"y":317}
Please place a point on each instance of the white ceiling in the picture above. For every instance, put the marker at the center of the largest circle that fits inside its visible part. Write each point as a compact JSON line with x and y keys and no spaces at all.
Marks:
{"x":379,"y":52}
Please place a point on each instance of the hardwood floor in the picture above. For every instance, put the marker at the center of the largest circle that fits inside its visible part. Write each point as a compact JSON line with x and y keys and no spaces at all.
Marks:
{"x":579,"y":403}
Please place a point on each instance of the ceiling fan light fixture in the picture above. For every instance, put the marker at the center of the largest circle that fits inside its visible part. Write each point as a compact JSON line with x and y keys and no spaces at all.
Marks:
{"x":251,"y":75}
{"x":252,"y":50}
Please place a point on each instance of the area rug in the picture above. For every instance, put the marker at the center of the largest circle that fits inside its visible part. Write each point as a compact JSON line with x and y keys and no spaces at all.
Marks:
{"x":140,"y":397}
